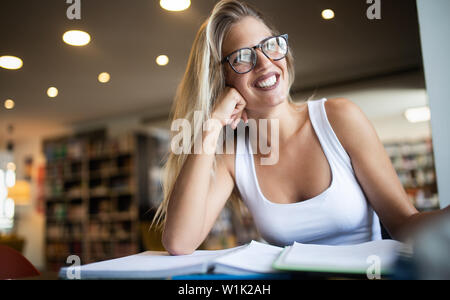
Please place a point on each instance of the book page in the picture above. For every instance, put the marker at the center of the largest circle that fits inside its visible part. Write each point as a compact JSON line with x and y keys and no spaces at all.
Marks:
{"x":148,"y":261}
{"x":148,"y":264}
{"x":256,"y":257}
{"x":342,"y":258}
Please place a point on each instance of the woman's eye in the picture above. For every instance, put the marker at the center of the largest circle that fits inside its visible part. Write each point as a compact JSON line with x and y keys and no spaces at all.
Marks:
{"x":242,"y":58}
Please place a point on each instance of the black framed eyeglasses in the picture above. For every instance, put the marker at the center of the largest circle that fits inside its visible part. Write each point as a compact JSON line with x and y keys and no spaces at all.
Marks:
{"x":244,"y":60}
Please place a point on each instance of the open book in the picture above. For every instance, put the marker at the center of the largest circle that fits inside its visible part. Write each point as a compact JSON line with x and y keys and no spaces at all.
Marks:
{"x":353,"y":259}
{"x":250,"y":259}
{"x":254,"y":258}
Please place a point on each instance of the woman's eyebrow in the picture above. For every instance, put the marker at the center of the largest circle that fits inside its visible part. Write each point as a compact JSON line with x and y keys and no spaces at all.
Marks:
{"x":269,"y":36}
{"x":253,"y":45}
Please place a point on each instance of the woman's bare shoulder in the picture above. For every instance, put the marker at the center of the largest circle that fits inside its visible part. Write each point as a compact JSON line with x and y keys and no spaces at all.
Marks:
{"x":342,"y":111}
{"x":346,"y":119}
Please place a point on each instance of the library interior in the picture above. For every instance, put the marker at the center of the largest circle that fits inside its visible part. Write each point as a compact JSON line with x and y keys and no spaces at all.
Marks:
{"x":87,"y":88}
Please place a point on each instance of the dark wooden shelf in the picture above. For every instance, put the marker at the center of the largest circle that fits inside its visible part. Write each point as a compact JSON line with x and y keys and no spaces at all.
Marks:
{"x":119,"y":172}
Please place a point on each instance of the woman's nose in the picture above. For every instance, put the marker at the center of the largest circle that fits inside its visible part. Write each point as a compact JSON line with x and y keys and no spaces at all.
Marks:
{"x":262,"y":61}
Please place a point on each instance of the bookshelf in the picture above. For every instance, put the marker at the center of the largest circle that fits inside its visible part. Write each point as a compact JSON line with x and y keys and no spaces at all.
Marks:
{"x":413,"y":161}
{"x":97,"y":192}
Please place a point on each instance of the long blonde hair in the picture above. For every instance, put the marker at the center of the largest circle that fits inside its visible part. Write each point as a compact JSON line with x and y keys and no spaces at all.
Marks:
{"x":203,"y":82}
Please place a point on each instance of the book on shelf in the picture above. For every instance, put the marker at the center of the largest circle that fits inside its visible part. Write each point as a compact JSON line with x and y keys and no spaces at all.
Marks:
{"x":250,"y":259}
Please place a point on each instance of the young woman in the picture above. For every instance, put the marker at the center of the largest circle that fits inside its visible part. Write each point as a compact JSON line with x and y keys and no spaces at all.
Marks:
{"x":332,"y":179}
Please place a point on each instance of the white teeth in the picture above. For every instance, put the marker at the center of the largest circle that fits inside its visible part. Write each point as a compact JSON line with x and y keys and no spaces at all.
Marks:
{"x":269,"y":82}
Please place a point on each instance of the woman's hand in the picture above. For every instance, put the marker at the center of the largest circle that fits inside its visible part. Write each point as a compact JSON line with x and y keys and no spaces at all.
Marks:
{"x":230,"y":108}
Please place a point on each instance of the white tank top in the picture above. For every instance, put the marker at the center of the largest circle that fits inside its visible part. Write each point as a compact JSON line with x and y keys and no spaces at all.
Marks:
{"x":340,"y":215}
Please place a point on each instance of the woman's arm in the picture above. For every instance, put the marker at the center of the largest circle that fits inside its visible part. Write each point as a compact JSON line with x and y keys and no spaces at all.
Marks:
{"x":197,"y":198}
{"x":196,"y":201}
{"x":374,"y":169}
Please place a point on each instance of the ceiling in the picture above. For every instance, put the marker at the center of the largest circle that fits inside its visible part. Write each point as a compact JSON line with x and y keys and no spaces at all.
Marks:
{"x":127,"y":36}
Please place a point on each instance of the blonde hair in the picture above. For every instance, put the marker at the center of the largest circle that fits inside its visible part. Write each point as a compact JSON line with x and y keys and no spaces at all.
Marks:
{"x":203,"y":82}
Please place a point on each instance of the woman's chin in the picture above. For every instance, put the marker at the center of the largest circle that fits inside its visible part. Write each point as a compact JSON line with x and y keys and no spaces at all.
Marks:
{"x":272,"y":100}
{"x":275,"y":102}
{"x":272,"y":97}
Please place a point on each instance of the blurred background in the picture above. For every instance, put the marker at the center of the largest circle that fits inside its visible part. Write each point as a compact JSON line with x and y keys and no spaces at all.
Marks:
{"x":84,"y":130}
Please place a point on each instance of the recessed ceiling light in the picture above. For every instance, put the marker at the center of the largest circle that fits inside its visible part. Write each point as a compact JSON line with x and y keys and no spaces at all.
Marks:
{"x":52,"y":92}
{"x":175,"y":5}
{"x":10,"y":62}
{"x":9,"y":104}
{"x":162,"y":60}
{"x":104,"y":77}
{"x":418,"y":114}
{"x":328,"y":14}
{"x":76,"y":38}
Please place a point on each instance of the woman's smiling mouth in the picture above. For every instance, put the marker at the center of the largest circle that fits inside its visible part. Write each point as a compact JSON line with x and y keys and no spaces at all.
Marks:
{"x":267,"y":82}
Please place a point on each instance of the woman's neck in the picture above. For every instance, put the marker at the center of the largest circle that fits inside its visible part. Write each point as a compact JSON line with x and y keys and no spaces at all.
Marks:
{"x":290,"y":118}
